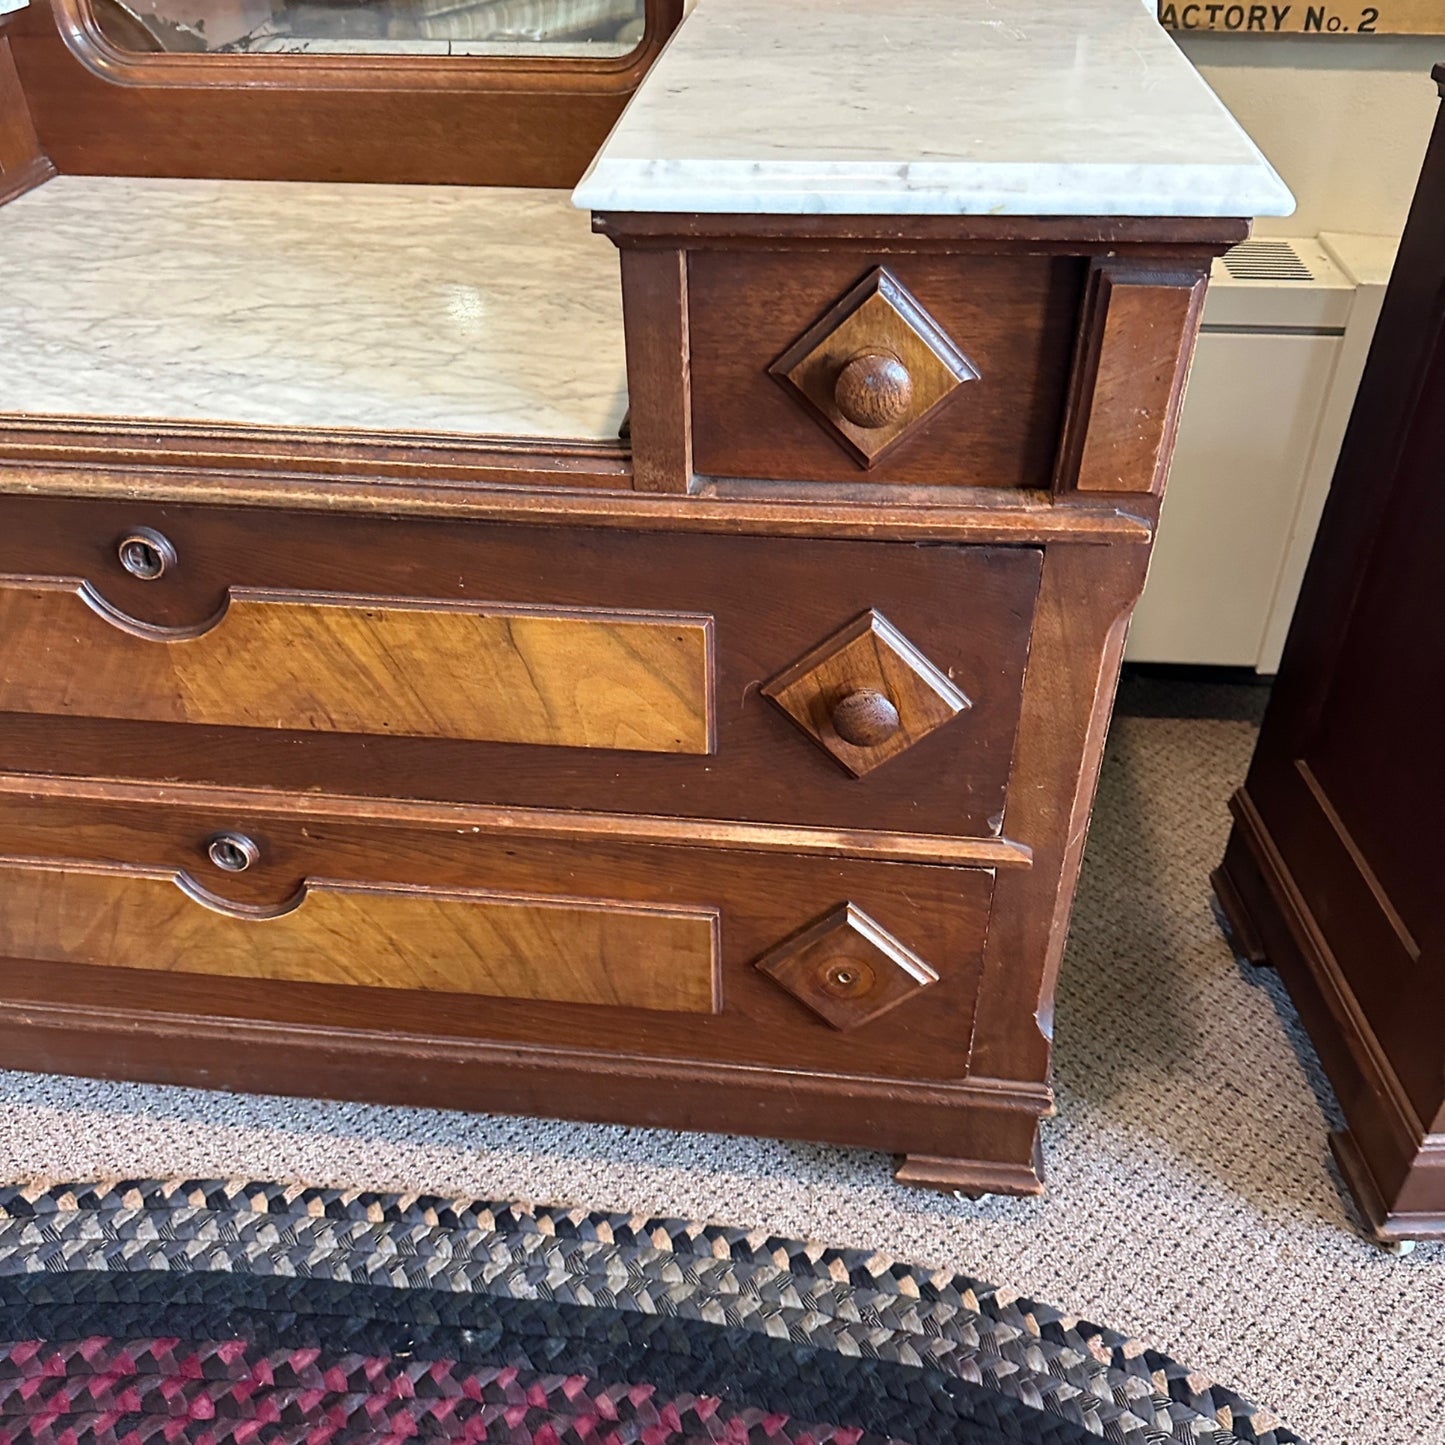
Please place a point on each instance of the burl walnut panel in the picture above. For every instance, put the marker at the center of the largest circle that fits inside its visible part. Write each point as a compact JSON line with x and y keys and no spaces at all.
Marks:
{"x":380,"y":880}
{"x":968,"y":610}
{"x":319,"y":662}
{"x":464,"y":942}
{"x":1012,"y":317}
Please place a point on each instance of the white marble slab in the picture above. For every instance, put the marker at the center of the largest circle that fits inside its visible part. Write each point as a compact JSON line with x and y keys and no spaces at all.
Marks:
{"x":388,"y":308}
{"x":952,"y":107}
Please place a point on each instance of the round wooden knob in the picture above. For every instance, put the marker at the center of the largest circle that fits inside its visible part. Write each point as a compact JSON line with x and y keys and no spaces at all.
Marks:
{"x":865,"y":718}
{"x":873,"y":390}
{"x":146,"y":554}
{"x":232,"y":852}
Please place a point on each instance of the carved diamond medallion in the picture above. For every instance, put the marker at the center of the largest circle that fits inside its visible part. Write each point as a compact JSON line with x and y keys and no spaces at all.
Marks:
{"x":847,"y":968}
{"x":875,"y":366}
{"x":866,"y":694}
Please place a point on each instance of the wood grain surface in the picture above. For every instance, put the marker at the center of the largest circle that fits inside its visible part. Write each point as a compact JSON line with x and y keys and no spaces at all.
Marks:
{"x":333,"y":663}
{"x":773,"y":599}
{"x":440,"y":120}
{"x":659,"y":383}
{"x":1014,"y":317}
{"x":760,"y":898}
{"x":1137,"y":341}
{"x":870,"y":659}
{"x":1333,"y":869}
{"x":22,"y":163}
{"x":874,"y":366}
{"x":468,"y":942}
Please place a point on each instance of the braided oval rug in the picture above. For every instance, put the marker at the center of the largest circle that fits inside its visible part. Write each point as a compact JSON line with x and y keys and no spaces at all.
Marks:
{"x":209,"y":1311}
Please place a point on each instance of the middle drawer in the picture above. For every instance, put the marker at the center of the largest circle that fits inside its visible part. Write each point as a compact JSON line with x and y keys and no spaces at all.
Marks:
{"x":865,"y":685}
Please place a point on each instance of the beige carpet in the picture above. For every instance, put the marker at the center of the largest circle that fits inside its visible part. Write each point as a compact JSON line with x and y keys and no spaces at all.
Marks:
{"x":1193,"y":1200}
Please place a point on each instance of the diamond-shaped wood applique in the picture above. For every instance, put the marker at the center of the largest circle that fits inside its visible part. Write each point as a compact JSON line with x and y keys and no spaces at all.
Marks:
{"x":847,"y":968}
{"x":875,"y":366}
{"x":866,"y":694}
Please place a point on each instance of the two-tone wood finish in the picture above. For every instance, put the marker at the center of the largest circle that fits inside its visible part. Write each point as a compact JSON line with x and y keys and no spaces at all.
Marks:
{"x":1333,"y":869}
{"x":733,"y":776}
{"x":1009,"y":319}
{"x":489,"y":721}
{"x":875,"y":367}
{"x":587,"y":1023}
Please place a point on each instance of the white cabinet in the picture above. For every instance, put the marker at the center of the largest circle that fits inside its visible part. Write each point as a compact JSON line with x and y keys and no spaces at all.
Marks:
{"x":1285,"y":333}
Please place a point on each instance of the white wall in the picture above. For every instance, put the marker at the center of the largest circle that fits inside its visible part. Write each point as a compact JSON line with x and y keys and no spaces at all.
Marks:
{"x":1343,"y":121}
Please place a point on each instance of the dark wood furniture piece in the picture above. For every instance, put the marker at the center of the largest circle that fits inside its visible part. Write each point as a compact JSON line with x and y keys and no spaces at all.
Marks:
{"x":1333,"y":872}
{"x":734,"y":777}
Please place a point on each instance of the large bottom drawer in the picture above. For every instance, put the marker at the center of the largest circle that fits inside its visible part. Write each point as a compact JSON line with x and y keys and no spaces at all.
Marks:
{"x":437,"y":922}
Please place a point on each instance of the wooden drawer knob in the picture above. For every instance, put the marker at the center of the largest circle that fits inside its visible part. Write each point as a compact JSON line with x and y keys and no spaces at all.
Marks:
{"x":865,"y":718}
{"x":873,"y":390}
{"x":232,"y":852}
{"x":145,"y":554}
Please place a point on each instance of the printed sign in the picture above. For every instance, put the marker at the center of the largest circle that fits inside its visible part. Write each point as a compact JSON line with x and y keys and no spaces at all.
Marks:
{"x":1389,"y":17}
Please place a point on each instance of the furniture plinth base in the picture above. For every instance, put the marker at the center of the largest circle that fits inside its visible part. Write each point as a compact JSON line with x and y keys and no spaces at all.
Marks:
{"x":1384,"y":1223}
{"x":1239,"y":927}
{"x":992,"y":1130}
{"x":1392,"y":1165}
{"x":971,"y":1177}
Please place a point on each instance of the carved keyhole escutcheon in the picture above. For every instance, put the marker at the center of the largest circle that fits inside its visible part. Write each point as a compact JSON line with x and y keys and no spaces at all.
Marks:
{"x":847,"y":968}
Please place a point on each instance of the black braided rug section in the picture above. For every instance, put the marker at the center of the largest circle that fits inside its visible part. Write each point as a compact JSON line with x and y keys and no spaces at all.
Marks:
{"x":243,"y":1313}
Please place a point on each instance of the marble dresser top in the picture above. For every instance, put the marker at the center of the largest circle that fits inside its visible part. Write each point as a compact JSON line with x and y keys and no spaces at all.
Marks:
{"x":940,"y":107}
{"x":383,"y":308}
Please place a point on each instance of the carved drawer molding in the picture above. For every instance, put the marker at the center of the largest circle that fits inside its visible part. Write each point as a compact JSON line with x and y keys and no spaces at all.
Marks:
{"x":847,"y":968}
{"x":875,"y":366}
{"x":866,"y":694}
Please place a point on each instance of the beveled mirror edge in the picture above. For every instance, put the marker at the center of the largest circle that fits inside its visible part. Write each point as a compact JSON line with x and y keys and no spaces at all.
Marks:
{"x":103,"y":57}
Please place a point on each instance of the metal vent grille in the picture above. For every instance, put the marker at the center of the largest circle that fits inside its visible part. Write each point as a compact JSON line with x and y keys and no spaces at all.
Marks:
{"x":1266,"y":261}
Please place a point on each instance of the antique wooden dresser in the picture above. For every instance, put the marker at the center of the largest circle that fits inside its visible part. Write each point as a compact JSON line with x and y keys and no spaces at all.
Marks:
{"x":649,"y":669}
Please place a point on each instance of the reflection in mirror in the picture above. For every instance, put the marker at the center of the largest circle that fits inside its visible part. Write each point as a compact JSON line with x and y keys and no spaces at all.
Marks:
{"x":545,"y":28}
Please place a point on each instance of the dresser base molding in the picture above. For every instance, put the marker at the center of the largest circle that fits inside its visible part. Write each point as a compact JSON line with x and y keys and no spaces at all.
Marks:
{"x":990,"y":1126}
{"x":1384,"y":1223}
{"x":1393,"y":1165}
{"x":971,"y":1178}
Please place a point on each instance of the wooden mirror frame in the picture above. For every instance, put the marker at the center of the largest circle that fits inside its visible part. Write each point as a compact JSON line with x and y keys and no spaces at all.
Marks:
{"x":422,"y":119}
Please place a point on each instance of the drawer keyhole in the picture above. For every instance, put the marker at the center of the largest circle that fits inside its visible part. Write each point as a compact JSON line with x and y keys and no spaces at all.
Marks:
{"x":146,"y":554}
{"x":845,"y":977}
{"x":232,"y":852}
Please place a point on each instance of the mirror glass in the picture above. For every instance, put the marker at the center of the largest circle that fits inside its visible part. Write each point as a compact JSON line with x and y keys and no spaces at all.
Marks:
{"x":546,"y":28}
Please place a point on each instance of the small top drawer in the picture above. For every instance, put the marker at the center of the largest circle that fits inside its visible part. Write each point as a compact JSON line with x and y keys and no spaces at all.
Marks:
{"x":921,"y":369}
{"x":838,"y":684}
